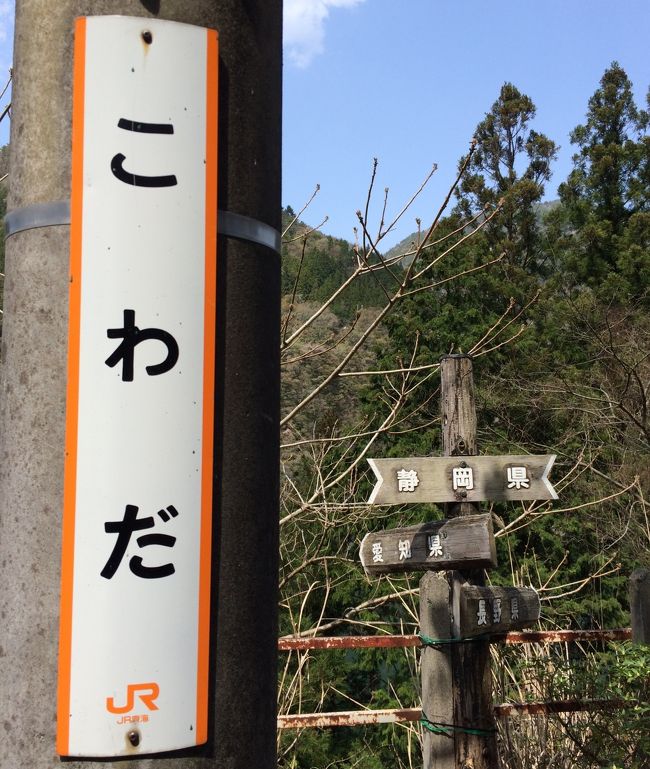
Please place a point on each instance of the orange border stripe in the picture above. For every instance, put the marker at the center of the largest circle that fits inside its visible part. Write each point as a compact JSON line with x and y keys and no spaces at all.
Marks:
{"x":70,"y":477}
{"x":202,"y":681}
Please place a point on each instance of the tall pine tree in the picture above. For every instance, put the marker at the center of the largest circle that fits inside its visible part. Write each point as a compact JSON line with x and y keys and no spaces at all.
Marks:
{"x":603,"y":226}
{"x":509,"y":167}
{"x":511,"y":164}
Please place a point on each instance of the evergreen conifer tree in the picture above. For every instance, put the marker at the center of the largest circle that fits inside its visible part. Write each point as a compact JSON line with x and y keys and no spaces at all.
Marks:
{"x":603,"y":225}
{"x":511,"y":164}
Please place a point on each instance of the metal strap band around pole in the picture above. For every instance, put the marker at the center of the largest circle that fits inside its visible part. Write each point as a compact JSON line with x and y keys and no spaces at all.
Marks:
{"x":244,"y":228}
{"x":229,"y":224}
{"x":37,"y":215}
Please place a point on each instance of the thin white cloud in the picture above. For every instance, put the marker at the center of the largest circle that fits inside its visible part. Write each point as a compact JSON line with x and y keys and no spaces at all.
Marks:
{"x":304,"y":27}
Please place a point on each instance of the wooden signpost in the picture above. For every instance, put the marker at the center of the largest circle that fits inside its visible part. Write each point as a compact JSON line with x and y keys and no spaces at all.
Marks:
{"x":480,"y":610}
{"x":466,"y":542}
{"x":456,"y":608}
{"x":468,"y":478}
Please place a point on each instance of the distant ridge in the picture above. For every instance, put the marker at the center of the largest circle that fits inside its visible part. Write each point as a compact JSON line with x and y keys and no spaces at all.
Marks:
{"x":409,"y":242}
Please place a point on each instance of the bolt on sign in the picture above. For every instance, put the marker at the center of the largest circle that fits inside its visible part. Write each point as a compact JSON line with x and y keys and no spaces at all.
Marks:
{"x":467,"y":478}
{"x":133,"y":659}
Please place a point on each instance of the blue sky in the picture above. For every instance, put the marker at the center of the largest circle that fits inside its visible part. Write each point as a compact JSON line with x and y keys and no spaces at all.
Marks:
{"x":407,"y":81}
{"x":6,"y":41}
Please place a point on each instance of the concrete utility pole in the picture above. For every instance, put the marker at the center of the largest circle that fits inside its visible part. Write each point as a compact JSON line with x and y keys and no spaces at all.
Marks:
{"x":244,"y":635}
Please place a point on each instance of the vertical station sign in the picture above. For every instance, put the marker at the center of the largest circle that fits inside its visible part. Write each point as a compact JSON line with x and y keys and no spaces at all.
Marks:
{"x":133,"y":667}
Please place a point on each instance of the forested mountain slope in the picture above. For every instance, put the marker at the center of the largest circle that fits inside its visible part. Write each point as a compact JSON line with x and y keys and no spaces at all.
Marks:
{"x":551,"y":300}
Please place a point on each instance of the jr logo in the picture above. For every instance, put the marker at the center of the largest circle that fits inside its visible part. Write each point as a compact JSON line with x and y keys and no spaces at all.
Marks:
{"x":148,"y":693}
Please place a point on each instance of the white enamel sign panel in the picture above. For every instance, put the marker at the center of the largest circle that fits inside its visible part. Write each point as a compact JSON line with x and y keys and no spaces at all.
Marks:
{"x":133,"y":665}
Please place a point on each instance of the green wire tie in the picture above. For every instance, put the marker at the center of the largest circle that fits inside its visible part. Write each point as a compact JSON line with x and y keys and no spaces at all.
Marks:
{"x":449,"y":729}
{"x":426,"y":641}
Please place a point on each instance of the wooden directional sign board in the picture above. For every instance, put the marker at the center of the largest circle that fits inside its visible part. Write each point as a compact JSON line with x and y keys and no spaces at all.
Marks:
{"x":466,"y":542}
{"x":135,"y":598}
{"x":467,"y":479}
{"x":479,"y":610}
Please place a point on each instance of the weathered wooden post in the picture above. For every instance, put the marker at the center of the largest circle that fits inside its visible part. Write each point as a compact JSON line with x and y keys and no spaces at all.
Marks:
{"x":436,"y":671}
{"x":475,"y":735}
{"x":640,"y":605}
